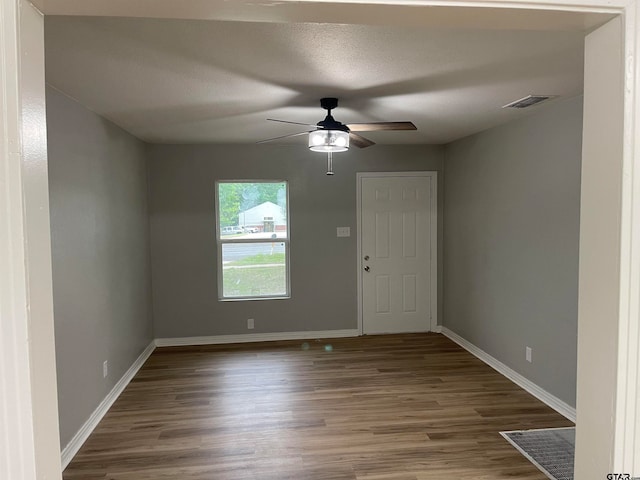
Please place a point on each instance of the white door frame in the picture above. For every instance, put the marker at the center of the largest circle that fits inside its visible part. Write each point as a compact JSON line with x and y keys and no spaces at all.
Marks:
{"x":433,"y":274}
{"x":25,"y":447}
{"x":30,"y":446}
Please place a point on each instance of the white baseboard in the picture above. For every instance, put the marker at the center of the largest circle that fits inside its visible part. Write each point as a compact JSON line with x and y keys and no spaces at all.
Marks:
{"x":81,"y":436}
{"x":254,"y":337}
{"x":552,"y":401}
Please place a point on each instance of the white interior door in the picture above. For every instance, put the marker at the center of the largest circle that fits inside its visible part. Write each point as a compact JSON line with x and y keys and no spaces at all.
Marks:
{"x":397,"y":248}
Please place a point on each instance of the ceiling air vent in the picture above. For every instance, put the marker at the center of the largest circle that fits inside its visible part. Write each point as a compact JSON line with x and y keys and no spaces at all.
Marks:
{"x":528,"y":101}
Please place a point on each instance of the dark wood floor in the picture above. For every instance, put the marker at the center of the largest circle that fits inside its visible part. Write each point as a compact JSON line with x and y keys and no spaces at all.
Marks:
{"x":399,"y":407}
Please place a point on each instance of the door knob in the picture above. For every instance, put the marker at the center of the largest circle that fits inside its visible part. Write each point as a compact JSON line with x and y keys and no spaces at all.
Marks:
{"x":366,"y":269}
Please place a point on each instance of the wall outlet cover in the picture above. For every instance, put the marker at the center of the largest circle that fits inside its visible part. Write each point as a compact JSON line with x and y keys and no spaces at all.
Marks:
{"x":343,"y":231}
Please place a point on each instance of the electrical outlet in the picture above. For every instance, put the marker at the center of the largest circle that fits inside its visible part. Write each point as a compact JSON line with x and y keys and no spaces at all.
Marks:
{"x":250,"y":323}
{"x":527,"y":354}
{"x":105,"y":368}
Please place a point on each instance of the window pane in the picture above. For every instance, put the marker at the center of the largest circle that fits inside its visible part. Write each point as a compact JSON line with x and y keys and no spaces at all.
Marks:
{"x":252,"y":210}
{"x":254,"y":269}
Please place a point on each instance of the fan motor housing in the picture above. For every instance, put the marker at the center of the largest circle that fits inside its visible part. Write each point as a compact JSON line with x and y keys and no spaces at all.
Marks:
{"x":329,"y":123}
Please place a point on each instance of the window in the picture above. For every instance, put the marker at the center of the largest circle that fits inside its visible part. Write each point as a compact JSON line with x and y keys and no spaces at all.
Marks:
{"x":253,"y":239}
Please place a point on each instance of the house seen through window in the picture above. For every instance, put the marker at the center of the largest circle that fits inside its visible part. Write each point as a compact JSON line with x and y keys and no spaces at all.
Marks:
{"x":253,"y":239}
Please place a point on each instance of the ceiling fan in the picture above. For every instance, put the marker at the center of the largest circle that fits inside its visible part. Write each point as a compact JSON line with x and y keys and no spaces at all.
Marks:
{"x":329,"y":135}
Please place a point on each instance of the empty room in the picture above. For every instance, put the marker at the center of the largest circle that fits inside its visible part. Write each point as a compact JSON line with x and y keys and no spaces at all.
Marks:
{"x":333,"y":241}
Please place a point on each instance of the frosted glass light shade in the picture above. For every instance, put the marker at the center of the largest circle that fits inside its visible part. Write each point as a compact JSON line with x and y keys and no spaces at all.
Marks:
{"x":328,"y":141}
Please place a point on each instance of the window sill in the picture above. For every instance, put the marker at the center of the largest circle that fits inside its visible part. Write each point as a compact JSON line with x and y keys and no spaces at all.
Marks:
{"x":249,"y":299}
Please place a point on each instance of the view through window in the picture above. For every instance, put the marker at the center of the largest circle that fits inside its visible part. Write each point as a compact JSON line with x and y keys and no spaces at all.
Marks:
{"x":253,"y":239}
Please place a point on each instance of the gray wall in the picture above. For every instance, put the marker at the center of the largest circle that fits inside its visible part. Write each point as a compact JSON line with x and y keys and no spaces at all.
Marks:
{"x":101,"y":274}
{"x":323,"y":267}
{"x":511,"y":235}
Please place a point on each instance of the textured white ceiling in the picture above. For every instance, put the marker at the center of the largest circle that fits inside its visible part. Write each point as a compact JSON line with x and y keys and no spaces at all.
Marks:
{"x":183,"y":81}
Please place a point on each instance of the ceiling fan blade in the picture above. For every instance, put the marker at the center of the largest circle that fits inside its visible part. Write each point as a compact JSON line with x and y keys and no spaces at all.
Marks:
{"x":285,"y":136}
{"x":377,"y":126}
{"x":293,"y":123}
{"x":359,"y":141}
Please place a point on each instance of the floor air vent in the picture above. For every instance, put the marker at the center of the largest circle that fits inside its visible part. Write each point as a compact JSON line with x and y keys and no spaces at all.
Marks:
{"x":528,"y":101}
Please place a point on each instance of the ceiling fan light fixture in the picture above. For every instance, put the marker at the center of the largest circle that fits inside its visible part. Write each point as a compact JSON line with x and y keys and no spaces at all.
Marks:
{"x":328,"y":141}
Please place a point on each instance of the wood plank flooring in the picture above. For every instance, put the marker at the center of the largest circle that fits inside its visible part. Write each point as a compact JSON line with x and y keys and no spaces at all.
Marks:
{"x":393,"y":407}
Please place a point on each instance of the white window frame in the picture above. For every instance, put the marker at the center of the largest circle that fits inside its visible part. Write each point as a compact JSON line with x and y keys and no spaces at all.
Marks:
{"x":221,"y":241}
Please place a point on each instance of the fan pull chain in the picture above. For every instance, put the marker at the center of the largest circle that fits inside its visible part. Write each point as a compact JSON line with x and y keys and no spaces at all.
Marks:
{"x":329,"y":163}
